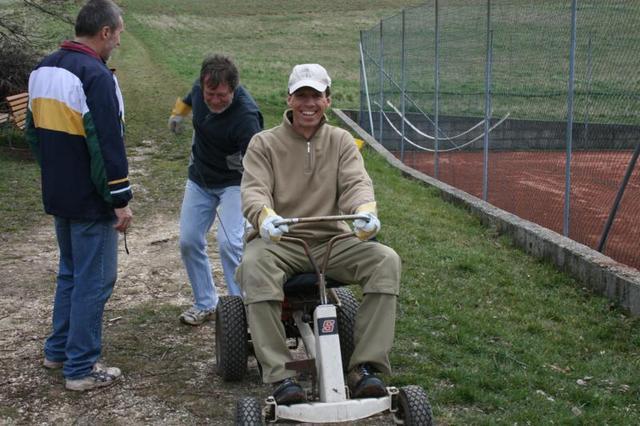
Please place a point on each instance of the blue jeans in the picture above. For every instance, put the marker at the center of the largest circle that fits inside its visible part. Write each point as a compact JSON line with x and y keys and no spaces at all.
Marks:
{"x":198,"y":213}
{"x":86,"y":276}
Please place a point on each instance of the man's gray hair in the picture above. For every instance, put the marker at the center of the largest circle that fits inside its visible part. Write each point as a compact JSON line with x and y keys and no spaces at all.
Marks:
{"x":218,"y":69}
{"x":95,"y":15}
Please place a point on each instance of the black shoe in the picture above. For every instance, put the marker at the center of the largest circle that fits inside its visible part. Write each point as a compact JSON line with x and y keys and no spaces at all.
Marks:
{"x":288,"y":392}
{"x":364,"y":384}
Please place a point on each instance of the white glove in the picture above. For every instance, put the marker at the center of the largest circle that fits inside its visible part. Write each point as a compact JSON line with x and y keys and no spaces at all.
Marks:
{"x":268,"y":230}
{"x":176,"y":124}
{"x":366,"y":230}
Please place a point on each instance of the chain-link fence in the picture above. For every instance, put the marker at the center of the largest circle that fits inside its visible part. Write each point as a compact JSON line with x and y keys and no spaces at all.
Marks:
{"x":531,"y":106}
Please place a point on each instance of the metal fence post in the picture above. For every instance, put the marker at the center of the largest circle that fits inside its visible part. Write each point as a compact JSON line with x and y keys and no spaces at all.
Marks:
{"x":362,"y":100}
{"x":436,"y":100}
{"x":569,"y":135}
{"x":365,"y":82}
{"x":487,"y":105}
{"x":404,"y":88}
{"x":381,"y":65}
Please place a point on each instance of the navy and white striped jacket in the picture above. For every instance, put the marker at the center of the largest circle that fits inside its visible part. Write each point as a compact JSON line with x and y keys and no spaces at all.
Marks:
{"x":75,"y":126}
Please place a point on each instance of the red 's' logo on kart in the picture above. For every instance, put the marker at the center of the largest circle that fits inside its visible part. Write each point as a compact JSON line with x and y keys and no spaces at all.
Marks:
{"x":327,"y":326}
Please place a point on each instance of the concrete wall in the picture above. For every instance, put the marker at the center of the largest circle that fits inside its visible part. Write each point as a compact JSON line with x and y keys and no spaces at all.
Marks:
{"x":509,"y":135}
{"x":619,"y":283}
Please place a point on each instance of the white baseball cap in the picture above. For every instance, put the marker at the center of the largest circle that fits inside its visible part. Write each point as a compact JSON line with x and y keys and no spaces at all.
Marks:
{"x":309,"y":75}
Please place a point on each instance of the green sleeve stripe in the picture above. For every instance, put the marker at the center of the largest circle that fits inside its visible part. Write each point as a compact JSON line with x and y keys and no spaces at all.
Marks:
{"x":98,"y":173}
{"x":32,"y":138}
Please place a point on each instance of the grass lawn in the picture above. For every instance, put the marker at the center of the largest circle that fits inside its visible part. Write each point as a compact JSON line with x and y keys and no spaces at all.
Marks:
{"x":493,"y":335}
{"x":496,"y":336}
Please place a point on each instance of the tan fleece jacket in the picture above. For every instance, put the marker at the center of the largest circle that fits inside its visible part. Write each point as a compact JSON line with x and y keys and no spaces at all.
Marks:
{"x":298,"y":178}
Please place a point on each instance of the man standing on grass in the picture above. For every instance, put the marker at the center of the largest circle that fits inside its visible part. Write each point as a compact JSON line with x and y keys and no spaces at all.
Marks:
{"x":225,"y":117}
{"x":306,"y":167}
{"x":75,"y":125}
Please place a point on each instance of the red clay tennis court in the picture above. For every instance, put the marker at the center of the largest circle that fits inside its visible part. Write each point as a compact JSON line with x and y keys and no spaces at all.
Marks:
{"x":531,"y":184}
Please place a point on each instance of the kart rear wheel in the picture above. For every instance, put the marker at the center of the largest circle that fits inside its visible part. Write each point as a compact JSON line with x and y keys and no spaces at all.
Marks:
{"x":248,"y":412}
{"x":414,"y":408}
{"x":231,"y":339}
{"x":346,"y":313}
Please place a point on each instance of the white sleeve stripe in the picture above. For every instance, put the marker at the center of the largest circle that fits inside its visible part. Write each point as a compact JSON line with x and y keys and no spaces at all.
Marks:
{"x":128,"y":188}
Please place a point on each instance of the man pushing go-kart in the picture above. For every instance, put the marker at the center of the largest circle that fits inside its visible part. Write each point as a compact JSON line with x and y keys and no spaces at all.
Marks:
{"x":306,"y":167}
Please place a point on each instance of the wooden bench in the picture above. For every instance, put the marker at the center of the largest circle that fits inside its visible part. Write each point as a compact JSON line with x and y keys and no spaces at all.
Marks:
{"x":17,"y":110}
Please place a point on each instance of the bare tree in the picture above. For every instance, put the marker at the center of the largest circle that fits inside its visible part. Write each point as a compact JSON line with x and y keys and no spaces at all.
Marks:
{"x":22,"y":42}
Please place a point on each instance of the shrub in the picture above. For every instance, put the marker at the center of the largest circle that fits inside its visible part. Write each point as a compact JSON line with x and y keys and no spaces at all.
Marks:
{"x":16,"y":62}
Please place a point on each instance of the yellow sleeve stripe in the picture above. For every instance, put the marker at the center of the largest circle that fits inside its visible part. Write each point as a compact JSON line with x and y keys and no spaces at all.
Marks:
{"x":117,"y":181}
{"x":180,"y":108}
{"x":55,"y":115}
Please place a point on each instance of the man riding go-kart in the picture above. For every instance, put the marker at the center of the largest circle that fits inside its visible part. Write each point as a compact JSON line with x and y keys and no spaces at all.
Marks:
{"x":313,"y":174}
{"x":306,"y":167}
{"x":323,"y":316}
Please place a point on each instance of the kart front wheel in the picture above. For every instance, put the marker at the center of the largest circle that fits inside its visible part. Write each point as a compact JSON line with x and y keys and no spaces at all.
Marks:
{"x":414,"y":408}
{"x":248,"y":412}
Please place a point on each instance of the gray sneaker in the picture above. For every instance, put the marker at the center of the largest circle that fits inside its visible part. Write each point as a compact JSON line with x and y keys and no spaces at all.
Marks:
{"x":99,"y":377}
{"x":195,"y":316}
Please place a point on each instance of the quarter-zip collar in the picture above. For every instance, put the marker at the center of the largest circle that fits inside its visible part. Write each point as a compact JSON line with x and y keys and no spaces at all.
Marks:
{"x":309,"y":157}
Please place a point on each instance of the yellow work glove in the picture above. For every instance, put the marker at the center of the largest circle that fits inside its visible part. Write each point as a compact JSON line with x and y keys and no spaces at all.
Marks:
{"x":270,"y":232}
{"x":367,"y":229}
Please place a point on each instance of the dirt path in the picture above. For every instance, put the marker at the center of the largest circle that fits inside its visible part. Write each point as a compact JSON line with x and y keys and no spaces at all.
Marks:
{"x":151,"y":276}
{"x":169,"y":368}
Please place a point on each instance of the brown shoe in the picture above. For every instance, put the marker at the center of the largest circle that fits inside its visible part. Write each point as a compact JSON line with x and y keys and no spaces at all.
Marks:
{"x":364,"y":384}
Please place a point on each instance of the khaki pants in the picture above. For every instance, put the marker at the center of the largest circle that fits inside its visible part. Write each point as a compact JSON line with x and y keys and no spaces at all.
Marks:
{"x":266,"y":266}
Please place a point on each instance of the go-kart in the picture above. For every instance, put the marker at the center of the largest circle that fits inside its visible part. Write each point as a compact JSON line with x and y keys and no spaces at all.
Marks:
{"x":311,"y":299}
